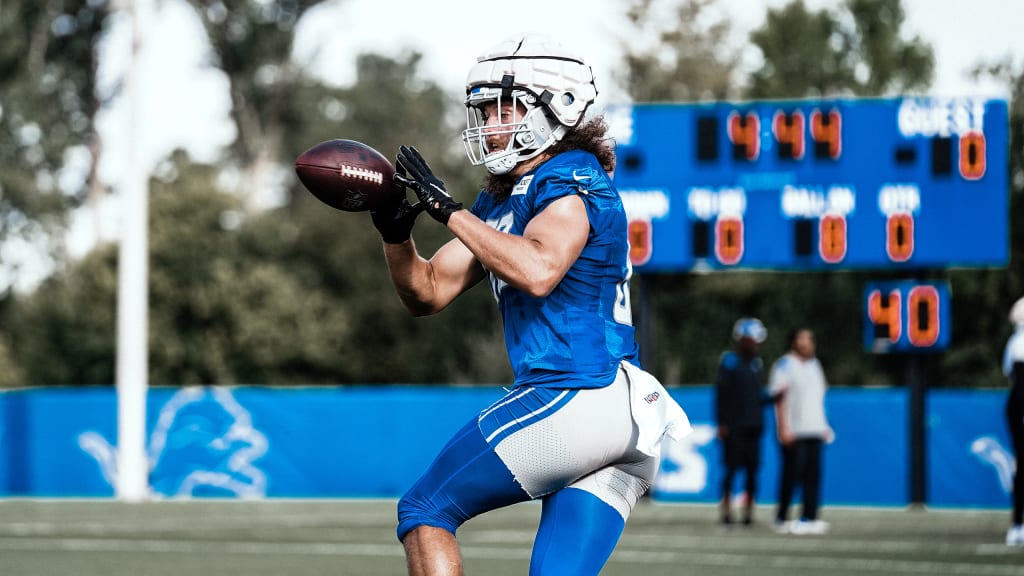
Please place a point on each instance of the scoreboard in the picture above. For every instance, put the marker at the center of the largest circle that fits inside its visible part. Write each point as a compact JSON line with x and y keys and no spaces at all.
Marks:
{"x":899,"y":183}
{"x":906,"y":316}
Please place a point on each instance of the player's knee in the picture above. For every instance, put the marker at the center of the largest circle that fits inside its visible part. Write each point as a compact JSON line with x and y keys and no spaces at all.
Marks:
{"x":415,"y":509}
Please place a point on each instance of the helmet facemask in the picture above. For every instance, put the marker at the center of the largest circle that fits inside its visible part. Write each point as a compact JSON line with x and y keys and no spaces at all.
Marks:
{"x":549,"y":85}
{"x":527,"y":127}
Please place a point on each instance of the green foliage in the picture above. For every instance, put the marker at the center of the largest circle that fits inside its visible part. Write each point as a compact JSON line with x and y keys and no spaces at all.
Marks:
{"x":298,"y":294}
{"x":48,"y":103}
{"x":65,"y":329}
{"x":893,"y":65}
{"x":252,"y":41}
{"x":690,"y":61}
{"x":857,"y":49}
{"x":340,"y":254}
{"x":982,"y":299}
{"x":693,"y":316}
{"x":805,"y":54}
{"x":333,"y":259}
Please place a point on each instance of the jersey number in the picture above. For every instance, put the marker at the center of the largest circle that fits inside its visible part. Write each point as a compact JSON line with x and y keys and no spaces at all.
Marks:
{"x":622,"y":312}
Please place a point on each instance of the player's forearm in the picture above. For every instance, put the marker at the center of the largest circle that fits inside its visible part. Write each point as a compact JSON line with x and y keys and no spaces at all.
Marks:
{"x":520,"y":262}
{"x":412,"y":277}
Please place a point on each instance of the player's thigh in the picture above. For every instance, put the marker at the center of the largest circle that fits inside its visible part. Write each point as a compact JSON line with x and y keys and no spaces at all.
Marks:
{"x":465,"y":479}
{"x":551,"y":438}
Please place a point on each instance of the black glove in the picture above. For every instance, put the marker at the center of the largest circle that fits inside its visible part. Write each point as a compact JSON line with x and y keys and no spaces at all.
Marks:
{"x":429,"y":188}
{"x":395,"y":216}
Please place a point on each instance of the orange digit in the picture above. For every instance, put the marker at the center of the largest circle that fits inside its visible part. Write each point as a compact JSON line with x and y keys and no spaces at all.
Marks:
{"x":972,"y":155}
{"x":789,"y":130}
{"x":832,"y":238}
{"x":729,"y":240}
{"x":640,"y":247}
{"x":899,"y":237}
{"x":827,"y":130}
{"x":745,"y":134}
{"x":885,"y":313}
{"x":923,"y":316}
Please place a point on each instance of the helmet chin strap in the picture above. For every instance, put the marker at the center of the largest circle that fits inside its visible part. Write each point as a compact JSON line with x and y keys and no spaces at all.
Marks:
{"x":501,"y":165}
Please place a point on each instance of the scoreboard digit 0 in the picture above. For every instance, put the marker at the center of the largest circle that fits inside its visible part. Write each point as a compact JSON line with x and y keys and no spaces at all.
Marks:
{"x":816,"y":185}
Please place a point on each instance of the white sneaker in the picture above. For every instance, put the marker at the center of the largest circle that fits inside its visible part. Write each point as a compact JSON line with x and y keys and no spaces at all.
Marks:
{"x":1015,"y":536}
{"x":809,"y":527}
{"x":781,"y":527}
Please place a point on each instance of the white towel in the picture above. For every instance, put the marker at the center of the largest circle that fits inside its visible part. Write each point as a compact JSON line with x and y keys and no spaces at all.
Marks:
{"x":655,"y":412}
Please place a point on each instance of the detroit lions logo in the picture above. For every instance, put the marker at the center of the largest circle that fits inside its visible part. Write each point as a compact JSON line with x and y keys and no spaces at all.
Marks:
{"x":203,"y":444}
{"x":989,"y":450}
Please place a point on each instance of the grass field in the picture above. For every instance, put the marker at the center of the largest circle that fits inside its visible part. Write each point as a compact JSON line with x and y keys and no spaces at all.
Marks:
{"x":332,"y":537}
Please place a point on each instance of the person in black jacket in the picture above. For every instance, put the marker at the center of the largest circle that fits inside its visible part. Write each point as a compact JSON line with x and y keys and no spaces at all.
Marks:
{"x":1013,"y":367}
{"x":739,"y":410}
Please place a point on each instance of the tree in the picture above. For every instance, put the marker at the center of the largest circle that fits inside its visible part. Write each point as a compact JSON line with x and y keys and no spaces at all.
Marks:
{"x":805,"y":53}
{"x":340,"y":254}
{"x":48,"y":104}
{"x":893,"y":65}
{"x":819,"y":53}
{"x":298,"y":294}
{"x":690,"y":61}
{"x":985,"y":296}
{"x":252,"y":42}
{"x":65,"y":327}
{"x":279,"y":111}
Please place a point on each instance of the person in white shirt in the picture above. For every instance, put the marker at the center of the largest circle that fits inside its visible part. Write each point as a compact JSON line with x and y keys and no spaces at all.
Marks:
{"x":1013,"y":368}
{"x":798,"y":380}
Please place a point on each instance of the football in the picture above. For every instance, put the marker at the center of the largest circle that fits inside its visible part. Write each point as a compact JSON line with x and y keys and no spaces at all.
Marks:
{"x":345,"y":174}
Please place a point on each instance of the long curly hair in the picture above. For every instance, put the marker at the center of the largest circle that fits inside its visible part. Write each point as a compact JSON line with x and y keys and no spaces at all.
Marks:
{"x":590,"y":136}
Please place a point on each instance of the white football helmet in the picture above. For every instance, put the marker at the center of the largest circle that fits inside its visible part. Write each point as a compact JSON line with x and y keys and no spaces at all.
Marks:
{"x":551,"y":86}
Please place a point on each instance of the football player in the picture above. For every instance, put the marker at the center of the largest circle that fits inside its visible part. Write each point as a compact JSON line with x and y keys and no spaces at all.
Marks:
{"x":581,"y":427}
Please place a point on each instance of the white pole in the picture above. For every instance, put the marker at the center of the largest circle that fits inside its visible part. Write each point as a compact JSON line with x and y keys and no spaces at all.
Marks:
{"x":132,"y":288}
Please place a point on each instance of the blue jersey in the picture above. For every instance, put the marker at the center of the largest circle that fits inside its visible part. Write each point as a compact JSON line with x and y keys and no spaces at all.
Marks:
{"x":577,"y":335}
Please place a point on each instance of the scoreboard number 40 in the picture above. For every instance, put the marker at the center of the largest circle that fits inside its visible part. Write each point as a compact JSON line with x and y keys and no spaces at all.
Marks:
{"x":906,"y":316}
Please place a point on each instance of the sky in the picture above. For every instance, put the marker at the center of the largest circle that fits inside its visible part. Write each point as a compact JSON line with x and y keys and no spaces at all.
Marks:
{"x":185,"y":102}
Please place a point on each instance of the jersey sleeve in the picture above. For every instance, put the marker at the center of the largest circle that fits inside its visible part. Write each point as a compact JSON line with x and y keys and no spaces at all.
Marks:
{"x":553,"y":186}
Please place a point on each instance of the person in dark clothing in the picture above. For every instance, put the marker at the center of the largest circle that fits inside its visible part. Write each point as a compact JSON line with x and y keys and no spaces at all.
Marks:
{"x":1013,"y":368}
{"x":739,"y":412}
